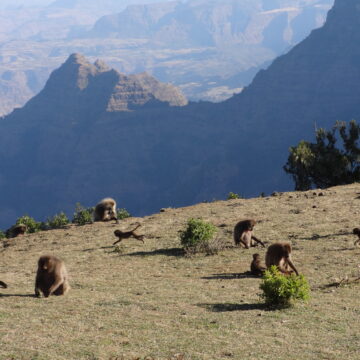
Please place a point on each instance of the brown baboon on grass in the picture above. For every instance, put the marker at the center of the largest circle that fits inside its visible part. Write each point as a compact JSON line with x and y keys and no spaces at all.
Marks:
{"x":126,"y":234}
{"x":105,"y":210}
{"x":16,"y":230}
{"x":279,"y":254}
{"x":243,"y":234}
{"x":51,"y":277}
{"x":256,"y":267}
{"x":356,"y":231}
{"x":2,"y":284}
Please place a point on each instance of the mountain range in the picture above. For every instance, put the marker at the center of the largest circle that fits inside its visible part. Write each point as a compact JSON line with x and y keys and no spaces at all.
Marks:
{"x":210,"y":49}
{"x":68,"y":145}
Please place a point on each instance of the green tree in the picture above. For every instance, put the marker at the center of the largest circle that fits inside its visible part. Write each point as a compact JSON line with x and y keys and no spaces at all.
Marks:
{"x":322,"y":164}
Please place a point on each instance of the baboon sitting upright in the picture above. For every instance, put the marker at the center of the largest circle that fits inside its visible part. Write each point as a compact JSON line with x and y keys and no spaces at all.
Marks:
{"x":126,"y":234}
{"x":105,"y":210}
{"x":255,"y":267}
{"x":51,"y":277}
{"x":243,"y":234}
{"x":279,"y":254}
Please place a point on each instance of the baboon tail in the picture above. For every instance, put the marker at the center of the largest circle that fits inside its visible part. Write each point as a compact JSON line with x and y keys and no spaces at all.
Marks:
{"x":135,"y":228}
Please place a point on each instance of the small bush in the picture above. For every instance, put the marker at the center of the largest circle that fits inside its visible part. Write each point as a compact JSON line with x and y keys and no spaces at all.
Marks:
{"x":82,"y":215}
{"x":282,"y":291}
{"x":57,"y":221}
{"x":232,"y":196}
{"x":197,"y":236}
{"x":122,"y":214}
{"x":32,"y":225}
{"x":2,"y":235}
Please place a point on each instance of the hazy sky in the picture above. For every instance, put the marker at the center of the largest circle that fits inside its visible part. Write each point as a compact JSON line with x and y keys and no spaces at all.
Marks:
{"x":5,"y":3}
{"x":29,"y":3}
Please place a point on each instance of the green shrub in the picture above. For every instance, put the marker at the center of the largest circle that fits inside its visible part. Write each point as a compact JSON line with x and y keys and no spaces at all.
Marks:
{"x":122,"y":214}
{"x":197,"y":236}
{"x":32,"y":225}
{"x":57,"y":221}
{"x":2,"y":235}
{"x":82,"y":215}
{"x":280,"y":290}
{"x":232,"y":196}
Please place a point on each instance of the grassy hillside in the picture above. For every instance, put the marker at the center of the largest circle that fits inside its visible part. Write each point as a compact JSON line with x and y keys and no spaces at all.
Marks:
{"x":148,"y":301}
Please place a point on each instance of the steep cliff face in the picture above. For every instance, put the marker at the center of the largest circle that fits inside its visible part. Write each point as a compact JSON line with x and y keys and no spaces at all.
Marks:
{"x":97,"y":87}
{"x":316,"y":82}
{"x":85,"y":136}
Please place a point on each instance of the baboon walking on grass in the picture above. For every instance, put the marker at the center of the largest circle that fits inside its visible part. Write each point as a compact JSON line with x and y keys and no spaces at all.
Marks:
{"x":126,"y":234}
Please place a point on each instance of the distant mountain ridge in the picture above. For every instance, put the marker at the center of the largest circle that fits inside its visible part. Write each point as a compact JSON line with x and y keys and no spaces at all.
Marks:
{"x":210,"y":49}
{"x":82,"y":83}
{"x":274,"y":24}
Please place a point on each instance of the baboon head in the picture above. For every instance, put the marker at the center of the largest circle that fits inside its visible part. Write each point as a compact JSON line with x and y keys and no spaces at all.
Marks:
{"x":46,"y":263}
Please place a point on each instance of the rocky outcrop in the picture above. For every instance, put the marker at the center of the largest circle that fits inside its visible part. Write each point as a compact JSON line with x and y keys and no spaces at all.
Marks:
{"x":96,"y":86}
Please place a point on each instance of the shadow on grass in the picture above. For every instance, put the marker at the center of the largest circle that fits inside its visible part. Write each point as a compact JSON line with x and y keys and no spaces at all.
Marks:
{"x":233,"y":307}
{"x":166,"y":252}
{"x":342,"y":249}
{"x":230,"y":276}
{"x":18,"y":295}
{"x":101,"y":247}
{"x":317,"y":237}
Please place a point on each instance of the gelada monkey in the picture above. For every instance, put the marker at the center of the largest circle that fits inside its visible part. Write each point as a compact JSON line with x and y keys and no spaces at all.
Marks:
{"x":16,"y":230}
{"x":51,"y":277}
{"x":105,"y":210}
{"x":256,"y":268}
{"x":243,"y":234}
{"x":279,"y":254}
{"x":126,"y":234}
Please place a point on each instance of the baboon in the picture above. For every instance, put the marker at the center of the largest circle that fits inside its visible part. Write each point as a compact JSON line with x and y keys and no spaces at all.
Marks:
{"x":256,"y":268}
{"x":243,"y":234}
{"x":2,"y":284}
{"x":51,"y":277}
{"x":356,"y":231}
{"x":16,"y":230}
{"x":279,"y":254}
{"x":126,"y":234}
{"x":105,"y":210}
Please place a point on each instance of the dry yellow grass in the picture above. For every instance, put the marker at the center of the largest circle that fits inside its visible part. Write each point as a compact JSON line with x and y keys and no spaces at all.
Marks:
{"x":142,"y":301}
